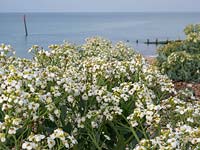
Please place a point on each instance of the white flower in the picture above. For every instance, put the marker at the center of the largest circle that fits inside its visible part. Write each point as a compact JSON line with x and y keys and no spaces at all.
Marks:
{"x":70,"y":98}
{"x":76,"y":92}
{"x":190,"y":120}
{"x":28,"y":145}
{"x":131,"y":92}
{"x":57,"y":113}
{"x":173,"y":142}
{"x":58,"y":133}
{"x":12,"y":130}
{"x":94,"y":124}
{"x":51,"y":142}
{"x":125,"y":97}
{"x":72,"y":139}
{"x":39,"y":137}
{"x":186,"y":128}
{"x":6,"y":106}
{"x":84,"y":96}
{"x":65,"y":142}
{"x":33,"y":106}
{"x":2,"y":137}
{"x":134,"y":123}
{"x":51,"y":117}
{"x":195,"y":140}
{"x":16,"y":121}
{"x":47,"y":53}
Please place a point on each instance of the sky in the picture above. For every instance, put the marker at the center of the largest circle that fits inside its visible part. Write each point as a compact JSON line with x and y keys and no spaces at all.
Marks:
{"x":99,"y":5}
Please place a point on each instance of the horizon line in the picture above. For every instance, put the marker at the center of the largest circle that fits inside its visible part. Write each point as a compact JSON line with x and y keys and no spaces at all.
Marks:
{"x":100,"y":12}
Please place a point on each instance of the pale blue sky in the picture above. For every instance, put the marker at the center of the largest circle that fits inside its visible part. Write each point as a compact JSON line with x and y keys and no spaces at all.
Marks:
{"x":99,"y":5}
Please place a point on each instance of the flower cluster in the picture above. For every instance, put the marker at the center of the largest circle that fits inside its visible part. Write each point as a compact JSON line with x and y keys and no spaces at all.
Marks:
{"x":179,"y":126}
{"x":94,"y":95}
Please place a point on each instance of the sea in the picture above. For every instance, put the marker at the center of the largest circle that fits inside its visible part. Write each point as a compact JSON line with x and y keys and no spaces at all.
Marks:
{"x":53,"y":28}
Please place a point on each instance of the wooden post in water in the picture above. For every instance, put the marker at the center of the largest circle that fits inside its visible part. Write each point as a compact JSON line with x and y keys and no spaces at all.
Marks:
{"x":25,"y":25}
{"x":156,"y":41}
{"x":148,"y":41}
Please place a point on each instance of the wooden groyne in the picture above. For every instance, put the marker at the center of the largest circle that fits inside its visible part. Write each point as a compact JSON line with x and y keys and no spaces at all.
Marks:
{"x":156,"y":42}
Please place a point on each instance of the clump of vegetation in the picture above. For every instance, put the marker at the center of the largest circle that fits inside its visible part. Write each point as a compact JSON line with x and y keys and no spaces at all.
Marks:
{"x":181,"y":60}
{"x":93,"y":96}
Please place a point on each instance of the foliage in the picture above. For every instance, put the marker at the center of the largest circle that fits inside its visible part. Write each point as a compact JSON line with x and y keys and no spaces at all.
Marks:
{"x":181,"y":60}
{"x":93,"y":96}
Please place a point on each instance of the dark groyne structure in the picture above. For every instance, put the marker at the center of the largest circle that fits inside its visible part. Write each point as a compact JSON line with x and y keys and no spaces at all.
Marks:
{"x":156,"y":42}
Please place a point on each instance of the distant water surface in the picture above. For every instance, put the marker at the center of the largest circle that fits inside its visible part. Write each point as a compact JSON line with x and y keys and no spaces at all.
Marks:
{"x":53,"y":28}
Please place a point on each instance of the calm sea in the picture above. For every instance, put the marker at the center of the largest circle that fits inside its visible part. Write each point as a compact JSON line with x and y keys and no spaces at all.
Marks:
{"x":53,"y":28}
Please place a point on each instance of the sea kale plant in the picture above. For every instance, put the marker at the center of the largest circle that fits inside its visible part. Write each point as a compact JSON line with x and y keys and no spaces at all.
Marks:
{"x":181,"y":60}
{"x":94,"y":96}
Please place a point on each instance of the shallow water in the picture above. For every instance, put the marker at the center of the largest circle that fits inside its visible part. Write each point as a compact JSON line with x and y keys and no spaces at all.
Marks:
{"x":52,"y":28}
